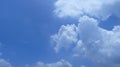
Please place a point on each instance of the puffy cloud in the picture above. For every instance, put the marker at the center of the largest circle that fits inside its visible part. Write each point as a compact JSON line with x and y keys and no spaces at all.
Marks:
{"x":4,"y":63}
{"x":97,"y":43}
{"x":66,"y":36}
{"x":91,"y":41}
{"x":98,"y":8}
{"x":61,"y":63}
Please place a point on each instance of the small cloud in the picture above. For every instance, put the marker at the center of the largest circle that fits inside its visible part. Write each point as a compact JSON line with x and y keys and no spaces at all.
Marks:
{"x":82,"y":65}
{"x":4,"y":63}
{"x":61,"y":63}
{"x":66,"y":35}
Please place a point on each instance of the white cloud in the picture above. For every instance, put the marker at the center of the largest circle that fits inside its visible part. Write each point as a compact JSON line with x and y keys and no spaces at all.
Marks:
{"x":66,"y":36}
{"x":82,"y":65}
{"x":98,"y":8}
{"x":4,"y":63}
{"x":61,"y":63}
{"x":91,"y":41}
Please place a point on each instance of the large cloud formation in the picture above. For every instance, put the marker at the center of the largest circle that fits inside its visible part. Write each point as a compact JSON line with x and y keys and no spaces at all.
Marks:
{"x":87,"y":39}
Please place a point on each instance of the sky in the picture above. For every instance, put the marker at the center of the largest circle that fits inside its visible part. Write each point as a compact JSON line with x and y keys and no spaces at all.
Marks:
{"x":59,"y":33}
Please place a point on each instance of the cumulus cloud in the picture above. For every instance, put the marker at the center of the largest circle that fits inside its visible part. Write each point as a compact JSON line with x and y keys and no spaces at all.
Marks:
{"x":91,"y":41}
{"x":101,"y":9}
{"x":61,"y":63}
{"x":87,"y":39}
{"x":4,"y":63}
{"x":66,"y":36}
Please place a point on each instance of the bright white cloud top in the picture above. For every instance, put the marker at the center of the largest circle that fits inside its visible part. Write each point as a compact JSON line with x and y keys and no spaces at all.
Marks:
{"x":98,"y":8}
{"x":87,"y":39}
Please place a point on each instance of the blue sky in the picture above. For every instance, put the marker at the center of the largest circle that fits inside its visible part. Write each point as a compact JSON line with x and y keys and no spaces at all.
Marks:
{"x":26,"y":27}
{"x":25,"y":30}
{"x":44,"y":30}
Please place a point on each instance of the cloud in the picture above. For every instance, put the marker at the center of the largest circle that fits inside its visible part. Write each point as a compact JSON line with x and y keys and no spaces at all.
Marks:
{"x":101,"y":9}
{"x":90,"y":41}
{"x":66,"y":35}
{"x":82,"y":65}
{"x":61,"y":63}
{"x":4,"y":63}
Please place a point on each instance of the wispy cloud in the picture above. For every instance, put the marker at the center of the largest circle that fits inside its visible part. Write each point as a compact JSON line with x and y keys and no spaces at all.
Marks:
{"x":61,"y":63}
{"x":4,"y":63}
